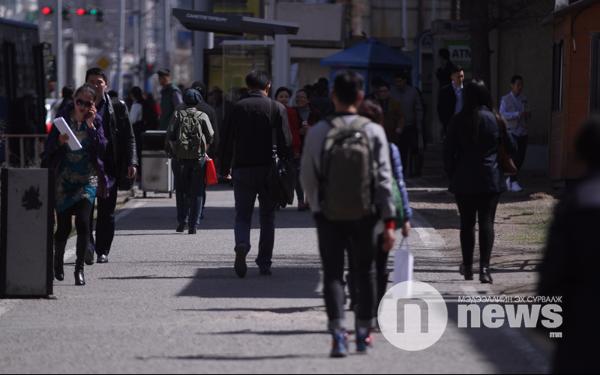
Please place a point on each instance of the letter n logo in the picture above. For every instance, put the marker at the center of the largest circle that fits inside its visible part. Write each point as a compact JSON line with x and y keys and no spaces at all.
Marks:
{"x":404,"y":315}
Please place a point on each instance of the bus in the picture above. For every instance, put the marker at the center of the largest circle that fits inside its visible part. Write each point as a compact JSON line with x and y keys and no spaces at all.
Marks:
{"x":22,"y":90}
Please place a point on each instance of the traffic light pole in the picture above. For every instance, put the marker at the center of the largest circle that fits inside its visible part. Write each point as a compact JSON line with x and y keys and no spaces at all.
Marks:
{"x":58,"y":50}
{"x":119,"y":76}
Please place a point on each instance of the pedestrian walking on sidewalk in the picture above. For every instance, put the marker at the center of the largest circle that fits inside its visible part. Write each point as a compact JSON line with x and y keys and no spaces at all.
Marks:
{"x":513,"y":109}
{"x":79,"y":176}
{"x":451,"y":97}
{"x":374,"y":112}
{"x":189,"y":136}
{"x":120,"y":163}
{"x":170,"y":98}
{"x":571,"y":257}
{"x":471,"y":149}
{"x":346,"y":173}
{"x":283,"y":95}
{"x":257,"y":125}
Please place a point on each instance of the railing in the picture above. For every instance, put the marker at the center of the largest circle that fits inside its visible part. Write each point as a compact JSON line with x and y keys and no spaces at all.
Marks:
{"x":21,"y":150}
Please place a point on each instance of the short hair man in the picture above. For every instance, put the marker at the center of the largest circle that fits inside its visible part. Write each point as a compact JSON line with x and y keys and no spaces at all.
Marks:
{"x":412,"y":139}
{"x":248,"y":136}
{"x":450,"y":98}
{"x":513,"y":107}
{"x":170,"y":97}
{"x":120,"y":161}
{"x":328,"y":197}
{"x":572,"y":255}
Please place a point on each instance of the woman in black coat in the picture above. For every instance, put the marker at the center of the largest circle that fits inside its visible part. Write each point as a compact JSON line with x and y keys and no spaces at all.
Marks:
{"x":471,"y":161}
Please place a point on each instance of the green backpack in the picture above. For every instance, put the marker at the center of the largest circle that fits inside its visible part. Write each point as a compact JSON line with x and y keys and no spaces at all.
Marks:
{"x":189,"y":142}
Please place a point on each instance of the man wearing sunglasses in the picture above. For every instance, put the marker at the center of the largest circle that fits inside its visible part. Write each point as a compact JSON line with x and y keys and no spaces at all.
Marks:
{"x":120,"y":161}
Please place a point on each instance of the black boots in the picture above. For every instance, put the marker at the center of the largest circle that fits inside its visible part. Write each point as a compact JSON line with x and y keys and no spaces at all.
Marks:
{"x":59,"y":258}
{"x":466,"y":271}
{"x":79,"y":277}
{"x":485,"y":275}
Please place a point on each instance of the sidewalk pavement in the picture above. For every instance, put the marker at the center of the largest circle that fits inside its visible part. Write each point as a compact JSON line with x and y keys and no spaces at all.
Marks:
{"x":172,"y":303}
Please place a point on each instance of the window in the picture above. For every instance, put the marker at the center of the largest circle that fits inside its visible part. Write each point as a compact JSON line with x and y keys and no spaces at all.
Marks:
{"x":595,"y":82}
{"x":557,"y":77}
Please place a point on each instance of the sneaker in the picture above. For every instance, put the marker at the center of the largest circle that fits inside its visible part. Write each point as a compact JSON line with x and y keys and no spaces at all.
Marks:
{"x":363,"y":340}
{"x":240,"y":263}
{"x":339,"y":347}
{"x":516,"y":187}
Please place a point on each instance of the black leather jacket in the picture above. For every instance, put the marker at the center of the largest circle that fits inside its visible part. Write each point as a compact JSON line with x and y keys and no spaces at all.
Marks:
{"x":121,"y":151}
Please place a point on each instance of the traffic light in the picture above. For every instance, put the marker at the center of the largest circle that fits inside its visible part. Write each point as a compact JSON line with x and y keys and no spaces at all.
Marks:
{"x":46,"y":11}
{"x":80,"y":12}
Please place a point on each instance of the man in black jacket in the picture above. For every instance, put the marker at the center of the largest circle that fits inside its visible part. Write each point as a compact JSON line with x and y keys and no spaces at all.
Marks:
{"x":249,"y":133}
{"x":450,"y":100}
{"x":120,"y":161}
{"x":570,"y":266}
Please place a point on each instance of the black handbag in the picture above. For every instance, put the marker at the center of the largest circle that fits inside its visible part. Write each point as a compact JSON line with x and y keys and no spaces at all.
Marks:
{"x":281,"y":181}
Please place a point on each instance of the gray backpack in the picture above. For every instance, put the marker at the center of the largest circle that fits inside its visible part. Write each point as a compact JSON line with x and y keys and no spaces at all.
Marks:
{"x":347,"y":178}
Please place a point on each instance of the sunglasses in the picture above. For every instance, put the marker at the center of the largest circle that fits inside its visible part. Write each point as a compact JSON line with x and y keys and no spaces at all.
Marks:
{"x":83,"y":103}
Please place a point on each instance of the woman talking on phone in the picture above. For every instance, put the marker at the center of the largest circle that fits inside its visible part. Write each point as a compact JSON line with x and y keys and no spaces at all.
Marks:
{"x":78,"y":175}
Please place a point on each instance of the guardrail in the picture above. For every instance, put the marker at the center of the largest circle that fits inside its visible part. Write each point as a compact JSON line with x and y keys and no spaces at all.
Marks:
{"x":22,"y":150}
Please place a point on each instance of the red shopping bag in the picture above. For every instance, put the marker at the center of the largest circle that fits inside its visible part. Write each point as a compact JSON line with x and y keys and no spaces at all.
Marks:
{"x":211,"y":173}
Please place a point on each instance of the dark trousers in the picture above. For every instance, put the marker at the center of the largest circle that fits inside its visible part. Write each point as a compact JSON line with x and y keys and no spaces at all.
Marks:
{"x":408,"y":143}
{"x":190,"y":189}
{"x":249,"y":183}
{"x":473,"y":207}
{"x":64,"y":224}
{"x":105,"y":222}
{"x":522,"y":143}
{"x":358,"y":238}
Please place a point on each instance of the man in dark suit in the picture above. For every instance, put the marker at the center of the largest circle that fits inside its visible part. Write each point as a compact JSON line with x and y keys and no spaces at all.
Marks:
{"x":450,"y":98}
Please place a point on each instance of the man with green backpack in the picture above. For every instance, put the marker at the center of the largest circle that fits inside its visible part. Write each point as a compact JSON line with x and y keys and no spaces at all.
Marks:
{"x":189,"y":135}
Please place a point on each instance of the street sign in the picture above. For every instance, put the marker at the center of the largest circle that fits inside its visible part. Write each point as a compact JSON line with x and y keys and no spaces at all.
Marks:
{"x":232,"y":24}
{"x":103,"y":62}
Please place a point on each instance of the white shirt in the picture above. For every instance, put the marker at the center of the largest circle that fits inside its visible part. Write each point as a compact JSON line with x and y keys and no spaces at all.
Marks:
{"x":511,"y":107}
{"x":135,"y":114}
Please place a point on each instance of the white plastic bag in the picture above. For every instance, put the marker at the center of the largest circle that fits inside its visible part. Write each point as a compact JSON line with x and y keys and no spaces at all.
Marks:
{"x":404,"y":262}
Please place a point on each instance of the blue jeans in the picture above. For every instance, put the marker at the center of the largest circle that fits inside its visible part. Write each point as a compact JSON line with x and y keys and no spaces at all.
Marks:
{"x":248,"y":183}
{"x":190,"y":189}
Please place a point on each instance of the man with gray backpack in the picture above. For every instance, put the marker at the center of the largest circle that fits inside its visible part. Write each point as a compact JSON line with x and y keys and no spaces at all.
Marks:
{"x":346,"y":172}
{"x":189,"y":135}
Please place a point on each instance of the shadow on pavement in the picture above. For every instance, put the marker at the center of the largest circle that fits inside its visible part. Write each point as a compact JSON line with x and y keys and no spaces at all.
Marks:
{"x":275,"y":310}
{"x":490,"y":341}
{"x":284,"y":283}
{"x":216,"y":218}
{"x":268,"y":333}
{"x":201,"y":357}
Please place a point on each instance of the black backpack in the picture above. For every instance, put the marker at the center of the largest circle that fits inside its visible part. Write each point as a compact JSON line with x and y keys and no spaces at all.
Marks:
{"x":348,"y":173}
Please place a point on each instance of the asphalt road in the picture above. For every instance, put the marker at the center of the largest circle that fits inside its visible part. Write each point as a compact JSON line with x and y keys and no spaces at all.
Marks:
{"x":171,"y":303}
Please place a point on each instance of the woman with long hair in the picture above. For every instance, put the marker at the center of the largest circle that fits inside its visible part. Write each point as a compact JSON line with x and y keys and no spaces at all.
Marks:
{"x":471,"y":158}
{"x":79,"y":176}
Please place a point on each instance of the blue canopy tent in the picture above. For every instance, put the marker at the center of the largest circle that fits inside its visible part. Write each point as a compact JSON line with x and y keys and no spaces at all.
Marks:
{"x":370,"y":58}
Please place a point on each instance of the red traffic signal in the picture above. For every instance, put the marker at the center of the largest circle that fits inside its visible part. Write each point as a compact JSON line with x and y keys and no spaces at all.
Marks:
{"x":80,"y":12}
{"x":46,"y":11}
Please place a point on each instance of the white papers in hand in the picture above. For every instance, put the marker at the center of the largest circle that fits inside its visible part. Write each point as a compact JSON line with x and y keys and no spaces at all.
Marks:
{"x":64,"y":128}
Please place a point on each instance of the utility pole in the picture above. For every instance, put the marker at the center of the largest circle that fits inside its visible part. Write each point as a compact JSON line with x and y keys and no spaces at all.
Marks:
{"x":119,"y":76}
{"x":166,"y":42}
{"x":58,"y":50}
